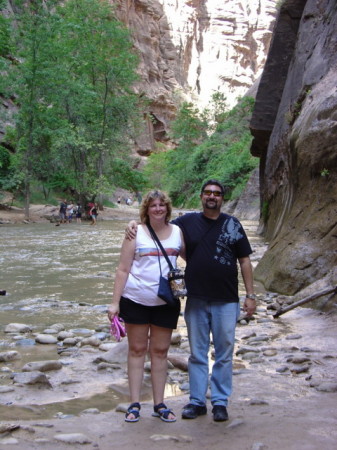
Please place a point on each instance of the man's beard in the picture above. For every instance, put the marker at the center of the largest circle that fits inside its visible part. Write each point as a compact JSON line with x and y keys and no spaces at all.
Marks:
{"x":213,"y":205}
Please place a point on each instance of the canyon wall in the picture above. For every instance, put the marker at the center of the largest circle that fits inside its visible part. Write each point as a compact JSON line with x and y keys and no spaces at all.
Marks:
{"x":294,"y":125}
{"x":190,"y":49}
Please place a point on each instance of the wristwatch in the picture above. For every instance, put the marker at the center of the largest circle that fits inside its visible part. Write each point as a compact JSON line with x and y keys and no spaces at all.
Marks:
{"x":251,"y":296}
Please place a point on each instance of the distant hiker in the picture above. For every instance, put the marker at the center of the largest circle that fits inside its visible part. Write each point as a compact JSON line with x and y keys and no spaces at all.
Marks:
{"x":79,"y":213}
{"x":93,"y":214}
{"x":63,"y":211}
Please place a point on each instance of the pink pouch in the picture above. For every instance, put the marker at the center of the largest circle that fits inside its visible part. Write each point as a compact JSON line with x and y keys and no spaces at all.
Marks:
{"x":117,"y":328}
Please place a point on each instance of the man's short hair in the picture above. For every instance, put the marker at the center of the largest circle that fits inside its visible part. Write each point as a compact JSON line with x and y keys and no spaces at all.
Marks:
{"x":214,"y":182}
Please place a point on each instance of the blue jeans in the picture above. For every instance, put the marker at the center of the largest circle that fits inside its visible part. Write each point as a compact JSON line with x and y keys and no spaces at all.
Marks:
{"x":203,"y":318}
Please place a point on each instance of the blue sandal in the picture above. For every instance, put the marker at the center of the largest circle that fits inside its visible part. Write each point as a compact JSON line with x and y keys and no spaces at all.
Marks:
{"x":163,"y":412}
{"x":134,"y":409}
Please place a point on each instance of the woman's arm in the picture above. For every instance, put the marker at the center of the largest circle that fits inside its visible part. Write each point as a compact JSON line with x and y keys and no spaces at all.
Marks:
{"x":122,"y":273}
{"x":182,"y":252}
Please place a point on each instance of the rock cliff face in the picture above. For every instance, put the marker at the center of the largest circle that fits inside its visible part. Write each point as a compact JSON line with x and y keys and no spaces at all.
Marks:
{"x":192,"y":48}
{"x":295,"y":134}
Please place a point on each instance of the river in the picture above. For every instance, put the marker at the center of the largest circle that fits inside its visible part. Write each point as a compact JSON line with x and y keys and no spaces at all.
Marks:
{"x":45,"y":267}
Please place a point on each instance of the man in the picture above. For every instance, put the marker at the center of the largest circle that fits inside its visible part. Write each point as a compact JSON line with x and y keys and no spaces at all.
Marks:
{"x":214,"y":242}
{"x":63,"y":211}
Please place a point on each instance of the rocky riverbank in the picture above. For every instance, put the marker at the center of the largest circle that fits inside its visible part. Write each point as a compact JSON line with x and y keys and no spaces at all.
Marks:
{"x":50,"y":213}
{"x":285,"y":388}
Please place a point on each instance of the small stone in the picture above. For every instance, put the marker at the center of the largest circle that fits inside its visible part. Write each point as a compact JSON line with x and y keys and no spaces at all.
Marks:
{"x":175,"y":339}
{"x":58,"y":327}
{"x":25,"y":342}
{"x":17,"y":328}
{"x":270,"y":352}
{"x":84,"y":332}
{"x":62,"y":335}
{"x":9,"y":441}
{"x":91,"y":411}
{"x":6,"y":389}
{"x":73,"y":438}
{"x":247,"y":349}
{"x":249,"y":356}
{"x":49,"y":331}
{"x":11,"y":355}
{"x":258,"y":402}
{"x":7,"y":427}
{"x":34,"y":377}
{"x":46,"y":339}
{"x":282,"y":369}
{"x":168,"y":437}
{"x":92,"y":341}
{"x":293,"y":337}
{"x":106,"y":366}
{"x":179,"y":361}
{"x":259,"y":446}
{"x":249,"y":335}
{"x":298,"y":370}
{"x":42,"y":366}
{"x":327,"y":387}
{"x":298,"y":359}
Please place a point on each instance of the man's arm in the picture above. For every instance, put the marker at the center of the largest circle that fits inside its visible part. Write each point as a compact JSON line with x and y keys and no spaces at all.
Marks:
{"x":131,"y":230}
{"x":249,"y":305}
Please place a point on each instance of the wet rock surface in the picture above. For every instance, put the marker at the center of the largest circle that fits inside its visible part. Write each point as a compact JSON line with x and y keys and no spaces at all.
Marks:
{"x":284,"y":370}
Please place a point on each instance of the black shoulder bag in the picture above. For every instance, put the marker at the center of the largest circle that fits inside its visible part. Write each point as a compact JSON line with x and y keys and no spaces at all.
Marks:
{"x":172,"y":288}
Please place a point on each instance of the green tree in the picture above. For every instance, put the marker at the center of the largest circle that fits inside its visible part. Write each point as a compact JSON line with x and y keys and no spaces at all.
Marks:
{"x":77,"y":110}
{"x":30,"y":80}
{"x":99,"y":103}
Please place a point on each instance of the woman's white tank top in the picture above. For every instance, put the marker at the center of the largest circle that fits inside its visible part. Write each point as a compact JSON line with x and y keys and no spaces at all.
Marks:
{"x":143,"y":280}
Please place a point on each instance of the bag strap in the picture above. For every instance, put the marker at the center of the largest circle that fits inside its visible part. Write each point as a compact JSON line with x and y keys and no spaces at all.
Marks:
{"x":157,"y":241}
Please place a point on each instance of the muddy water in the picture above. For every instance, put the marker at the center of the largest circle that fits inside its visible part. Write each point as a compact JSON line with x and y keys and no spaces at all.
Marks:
{"x":44,"y":267}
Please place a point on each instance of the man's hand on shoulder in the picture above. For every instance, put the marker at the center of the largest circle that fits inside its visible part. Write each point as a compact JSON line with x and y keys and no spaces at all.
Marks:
{"x":131,"y":230}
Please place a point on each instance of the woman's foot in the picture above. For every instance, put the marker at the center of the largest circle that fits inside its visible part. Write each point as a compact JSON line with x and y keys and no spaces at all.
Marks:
{"x":164,"y":413}
{"x":132,"y":414}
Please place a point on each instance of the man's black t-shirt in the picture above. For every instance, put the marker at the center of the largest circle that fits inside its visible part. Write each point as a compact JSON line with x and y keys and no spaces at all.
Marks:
{"x":212,"y":250}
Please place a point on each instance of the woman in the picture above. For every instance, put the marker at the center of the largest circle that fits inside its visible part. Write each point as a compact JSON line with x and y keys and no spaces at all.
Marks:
{"x":93,"y":214}
{"x":149,"y":320}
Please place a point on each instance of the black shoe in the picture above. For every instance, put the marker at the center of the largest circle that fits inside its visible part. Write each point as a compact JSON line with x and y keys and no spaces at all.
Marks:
{"x":219,"y":413}
{"x":191,"y":411}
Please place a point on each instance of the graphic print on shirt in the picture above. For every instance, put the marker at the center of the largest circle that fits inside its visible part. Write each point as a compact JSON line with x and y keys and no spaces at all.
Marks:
{"x":230,"y":234}
{"x":154,"y":252}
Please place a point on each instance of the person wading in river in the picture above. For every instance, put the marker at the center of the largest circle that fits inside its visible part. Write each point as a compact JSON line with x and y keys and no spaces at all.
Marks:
{"x":214,"y":242}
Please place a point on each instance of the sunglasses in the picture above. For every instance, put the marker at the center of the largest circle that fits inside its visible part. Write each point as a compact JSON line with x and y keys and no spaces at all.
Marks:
{"x":208,"y":192}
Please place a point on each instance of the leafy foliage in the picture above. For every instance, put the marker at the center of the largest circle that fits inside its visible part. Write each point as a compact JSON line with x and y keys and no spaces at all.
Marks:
{"x":223,"y":153}
{"x":77,"y":112}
